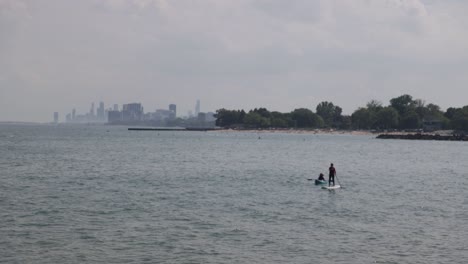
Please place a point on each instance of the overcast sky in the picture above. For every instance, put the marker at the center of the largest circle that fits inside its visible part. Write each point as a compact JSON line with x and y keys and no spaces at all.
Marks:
{"x":56,"y":55}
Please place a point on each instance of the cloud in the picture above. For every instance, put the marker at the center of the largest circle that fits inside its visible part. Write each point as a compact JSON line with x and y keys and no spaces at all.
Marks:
{"x":240,"y":54}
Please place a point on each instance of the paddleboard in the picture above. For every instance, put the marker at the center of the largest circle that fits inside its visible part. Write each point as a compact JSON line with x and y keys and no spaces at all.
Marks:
{"x":331,"y":187}
{"x":317,"y":182}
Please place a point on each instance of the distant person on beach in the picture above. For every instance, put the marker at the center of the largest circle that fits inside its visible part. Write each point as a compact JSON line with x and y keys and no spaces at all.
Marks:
{"x":331,"y":175}
{"x":321,"y":178}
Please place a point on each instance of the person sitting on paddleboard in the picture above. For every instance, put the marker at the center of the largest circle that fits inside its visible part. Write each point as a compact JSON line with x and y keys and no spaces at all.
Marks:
{"x":321,"y":178}
{"x":331,"y":175}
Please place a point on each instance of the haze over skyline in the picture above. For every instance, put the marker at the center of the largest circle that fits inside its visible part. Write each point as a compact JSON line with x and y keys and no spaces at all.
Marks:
{"x":56,"y":55}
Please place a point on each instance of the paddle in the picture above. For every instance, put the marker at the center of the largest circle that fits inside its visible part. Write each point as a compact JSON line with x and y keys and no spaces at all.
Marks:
{"x":338,"y":181}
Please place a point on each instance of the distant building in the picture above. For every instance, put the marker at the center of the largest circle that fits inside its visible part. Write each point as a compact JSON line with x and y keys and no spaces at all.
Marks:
{"x":201,"y":117}
{"x":91,"y":112}
{"x":432,"y":124}
{"x":101,"y":112}
{"x":197,"y":107}
{"x":114,"y":116}
{"x":116,"y":107}
{"x":81,"y":118}
{"x":210,"y":117}
{"x":56,"y":117}
{"x":148,"y":116}
{"x":173,"y":111}
{"x":73,"y":114}
{"x":132,"y":112}
{"x":161,"y":114}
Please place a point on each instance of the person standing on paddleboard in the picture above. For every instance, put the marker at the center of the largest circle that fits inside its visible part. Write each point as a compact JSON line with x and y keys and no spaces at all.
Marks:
{"x":331,"y":175}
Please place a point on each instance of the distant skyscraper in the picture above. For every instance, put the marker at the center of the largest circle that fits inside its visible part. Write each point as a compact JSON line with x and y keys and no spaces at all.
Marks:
{"x":91,"y":112}
{"x":116,"y":107}
{"x":114,"y":116}
{"x":73,"y":114}
{"x":173,"y":111}
{"x":101,"y":112}
{"x":197,"y":107}
{"x":56,"y":117}
{"x":132,"y":112}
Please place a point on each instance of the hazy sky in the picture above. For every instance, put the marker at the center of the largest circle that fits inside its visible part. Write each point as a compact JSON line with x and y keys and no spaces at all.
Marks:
{"x":56,"y":55}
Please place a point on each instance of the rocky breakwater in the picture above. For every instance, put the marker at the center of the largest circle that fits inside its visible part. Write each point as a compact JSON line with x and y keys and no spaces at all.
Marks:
{"x":424,"y":136}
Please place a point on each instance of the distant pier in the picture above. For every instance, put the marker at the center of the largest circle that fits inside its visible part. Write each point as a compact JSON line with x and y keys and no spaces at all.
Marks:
{"x":172,"y":129}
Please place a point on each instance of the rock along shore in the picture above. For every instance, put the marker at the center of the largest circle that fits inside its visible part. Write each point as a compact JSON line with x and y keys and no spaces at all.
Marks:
{"x":423,"y":136}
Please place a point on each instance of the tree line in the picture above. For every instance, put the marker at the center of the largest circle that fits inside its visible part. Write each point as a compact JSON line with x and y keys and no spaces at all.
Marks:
{"x":403,"y":113}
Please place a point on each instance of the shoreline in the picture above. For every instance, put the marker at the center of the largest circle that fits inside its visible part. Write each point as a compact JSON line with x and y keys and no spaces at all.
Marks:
{"x":377,"y":134}
{"x":299,"y":131}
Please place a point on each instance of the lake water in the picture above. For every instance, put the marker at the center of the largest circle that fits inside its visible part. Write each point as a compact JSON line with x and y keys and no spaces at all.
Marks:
{"x":102,"y":194}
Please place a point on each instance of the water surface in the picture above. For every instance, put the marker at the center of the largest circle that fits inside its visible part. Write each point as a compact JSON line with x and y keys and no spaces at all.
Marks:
{"x":102,"y":194}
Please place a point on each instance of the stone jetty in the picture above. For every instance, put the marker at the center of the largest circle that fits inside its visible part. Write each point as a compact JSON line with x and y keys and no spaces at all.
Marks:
{"x":424,"y":136}
{"x":172,"y":129}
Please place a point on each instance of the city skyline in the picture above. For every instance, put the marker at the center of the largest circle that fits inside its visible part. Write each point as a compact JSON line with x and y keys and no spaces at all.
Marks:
{"x":101,"y":114}
{"x":233,"y":54}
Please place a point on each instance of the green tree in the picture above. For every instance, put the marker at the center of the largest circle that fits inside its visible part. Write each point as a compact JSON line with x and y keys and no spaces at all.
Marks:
{"x":255,"y":120}
{"x":363,"y":118}
{"x":387,"y":118}
{"x":450,"y":113}
{"x":330,"y":113}
{"x":410,"y":120}
{"x":374,"y":106}
{"x":433,"y":109}
{"x":263,"y":112}
{"x":346,"y":122}
{"x":432,"y":112}
{"x":279,"y":120}
{"x":337,"y":117}
{"x":403,"y":103}
{"x":326,"y":110}
{"x":460,"y":119}
{"x":305,"y":118}
{"x":227,"y":118}
{"x":420,"y":108}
